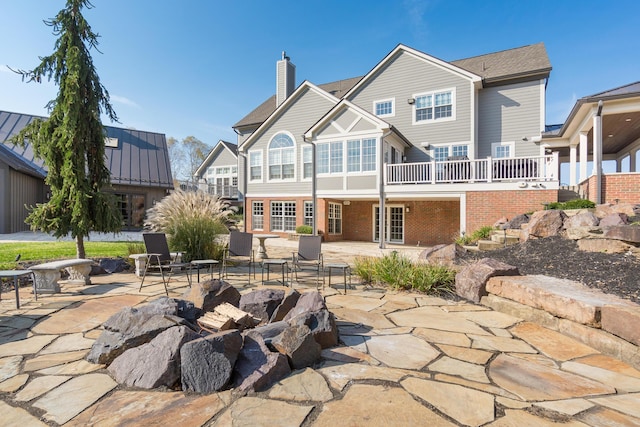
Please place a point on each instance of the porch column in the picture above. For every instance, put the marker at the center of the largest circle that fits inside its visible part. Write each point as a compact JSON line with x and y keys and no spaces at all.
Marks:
{"x":632,"y":161}
{"x":573,"y":150}
{"x":597,"y":151}
{"x":584,"y":158}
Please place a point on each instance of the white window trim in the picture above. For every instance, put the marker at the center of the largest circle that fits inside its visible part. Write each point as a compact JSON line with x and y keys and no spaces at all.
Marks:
{"x":304,"y":148}
{"x":346,"y":157}
{"x":253,"y":215}
{"x":249,"y":154}
{"x":393,"y":107}
{"x":510,"y":144}
{"x":329,"y":218}
{"x":283,"y":230}
{"x":388,"y":206}
{"x":434,"y":120}
{"x":344,"y":160}
{"x":295,"y":153}
{"x":449,"y":145}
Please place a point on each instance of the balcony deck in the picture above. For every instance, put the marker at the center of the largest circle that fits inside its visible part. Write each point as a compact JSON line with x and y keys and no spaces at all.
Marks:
{"x":513,"y":169}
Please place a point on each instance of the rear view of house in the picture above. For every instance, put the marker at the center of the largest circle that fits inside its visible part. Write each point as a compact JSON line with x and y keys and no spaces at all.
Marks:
{"x":418,"y":150}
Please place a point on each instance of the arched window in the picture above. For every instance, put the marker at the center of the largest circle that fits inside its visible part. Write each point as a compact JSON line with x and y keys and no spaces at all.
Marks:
{"x":281,"y":157}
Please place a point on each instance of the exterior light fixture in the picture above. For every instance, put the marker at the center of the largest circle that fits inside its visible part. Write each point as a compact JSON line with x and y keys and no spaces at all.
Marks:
{"x":411,"y":101}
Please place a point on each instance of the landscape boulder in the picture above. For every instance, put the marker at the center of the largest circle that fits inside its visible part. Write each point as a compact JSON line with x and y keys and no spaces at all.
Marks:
{"x":445,"y":254}
{"x":308,"y":302}
{"x":131,"y":327}
{"x":471,"y":281}
{"x":154,"y":364}
{"x":322,"y":324}
{"x":516,"y":223}
{"x":629,"y":209}
{"x":543,"y":224}
{"x":257,"y":367}
{"x":298,"y":344}
{"x":581,"y":219}
{"x":207,"y":295}
{"x":261,"y":303}
{"x":627,"y":233}
{"x":207,"y":363}
{"x":613,"y":219}
{"x":609,"y":246}
{"x":288,"y":302}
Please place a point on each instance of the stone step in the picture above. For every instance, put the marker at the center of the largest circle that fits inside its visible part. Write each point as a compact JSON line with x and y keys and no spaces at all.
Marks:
{"x":500,"y":237}
{"x":489,"y":245}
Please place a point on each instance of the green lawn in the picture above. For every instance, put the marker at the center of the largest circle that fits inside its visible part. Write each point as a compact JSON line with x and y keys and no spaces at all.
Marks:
{"x":49,"y":251}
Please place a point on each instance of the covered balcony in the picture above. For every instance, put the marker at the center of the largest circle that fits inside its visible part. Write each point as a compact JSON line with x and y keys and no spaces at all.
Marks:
{"x":226,"y":191}
{"x":537,"y":168}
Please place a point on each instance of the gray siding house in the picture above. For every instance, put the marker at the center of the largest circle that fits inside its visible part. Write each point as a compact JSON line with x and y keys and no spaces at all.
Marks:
{"x":403,"y":154}
{"x":138,"y":162}
{"x":218,"y":172}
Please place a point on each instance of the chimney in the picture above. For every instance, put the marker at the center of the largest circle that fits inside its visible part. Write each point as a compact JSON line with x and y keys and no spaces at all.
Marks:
{"x":285,"y":79}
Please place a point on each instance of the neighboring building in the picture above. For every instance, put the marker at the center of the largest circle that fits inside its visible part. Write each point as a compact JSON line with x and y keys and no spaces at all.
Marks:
{"x":218,"y":173}
{"x":138,"y":162}
{"x":420,"y":148}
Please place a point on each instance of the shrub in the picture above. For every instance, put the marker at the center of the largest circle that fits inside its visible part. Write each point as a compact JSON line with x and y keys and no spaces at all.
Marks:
{"x":399,"y":272}
{"x":304,"y":229}
{"x":192,"y":221}
{"x":363,"y":267}
{"x":570,"y":204}
{"x":483,"y":232}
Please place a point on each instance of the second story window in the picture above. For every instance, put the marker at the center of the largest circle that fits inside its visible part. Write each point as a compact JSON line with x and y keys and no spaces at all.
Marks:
{"x":329,"y":157}
{"x":255,"y":165}
{"x":307,"y":165}
{"x":434,"y":106}
{"x":281,"y":157}
{"x":384,"y":108}
{"x":361,"y":155}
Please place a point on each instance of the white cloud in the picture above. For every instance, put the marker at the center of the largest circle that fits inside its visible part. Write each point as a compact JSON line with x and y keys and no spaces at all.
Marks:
{"x":416,"y":10}
{"x":124,"y":101}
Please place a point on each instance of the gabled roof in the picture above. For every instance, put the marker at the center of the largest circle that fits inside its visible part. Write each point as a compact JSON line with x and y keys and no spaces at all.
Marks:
{"x":296,"y":93}
{"x":221,"y":145}
{"x":521,"y":62}
{"x":631,"y":90}
{"x":260,"y":114}
{"x":141,"y":158}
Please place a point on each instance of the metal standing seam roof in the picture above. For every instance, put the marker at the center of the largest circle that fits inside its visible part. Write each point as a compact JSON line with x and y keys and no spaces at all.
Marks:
{"x":141,"y":158}
{"x":525,"y":61}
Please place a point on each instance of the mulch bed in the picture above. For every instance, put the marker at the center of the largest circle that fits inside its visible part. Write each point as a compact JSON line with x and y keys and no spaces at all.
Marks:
{"x":617,"y":274}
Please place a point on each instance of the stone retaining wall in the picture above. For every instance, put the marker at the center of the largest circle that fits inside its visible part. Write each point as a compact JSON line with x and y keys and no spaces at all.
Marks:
{"x":605,"y":322}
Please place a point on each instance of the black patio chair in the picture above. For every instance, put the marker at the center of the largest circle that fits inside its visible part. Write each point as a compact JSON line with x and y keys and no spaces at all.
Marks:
{"x":239,"y":251}
{"x":309,"y":255}
{"x":159,"y":258}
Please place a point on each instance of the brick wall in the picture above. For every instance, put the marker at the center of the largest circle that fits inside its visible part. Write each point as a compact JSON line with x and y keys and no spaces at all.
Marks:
{"x":486,"y":207}
{"x":427,"y":222}
{"x":620,"y":187}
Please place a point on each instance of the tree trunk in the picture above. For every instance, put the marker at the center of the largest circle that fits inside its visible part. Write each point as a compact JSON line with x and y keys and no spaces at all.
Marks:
{"x":80,"y":247}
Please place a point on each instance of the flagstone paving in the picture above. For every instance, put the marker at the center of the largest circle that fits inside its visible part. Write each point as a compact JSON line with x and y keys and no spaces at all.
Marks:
{"x":404,"y":359}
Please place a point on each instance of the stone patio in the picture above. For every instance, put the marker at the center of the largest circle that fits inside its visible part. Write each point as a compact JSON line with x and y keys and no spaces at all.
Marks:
{"x":406,"y":359}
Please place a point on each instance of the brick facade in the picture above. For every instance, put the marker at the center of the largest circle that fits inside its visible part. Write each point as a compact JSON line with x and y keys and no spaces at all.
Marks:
{"x":618,"y":187}
{"x":486,"y":207}
{"x":426,"y":223}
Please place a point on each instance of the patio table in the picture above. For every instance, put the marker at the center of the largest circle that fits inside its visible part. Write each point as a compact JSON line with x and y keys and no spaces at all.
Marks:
{"x":16,"y":274}
{"x":262,"y":250}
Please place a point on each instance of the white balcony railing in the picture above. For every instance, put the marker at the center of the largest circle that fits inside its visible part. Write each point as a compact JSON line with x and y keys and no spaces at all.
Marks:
{"x":228,"y":191}
{"x":540,"y":168}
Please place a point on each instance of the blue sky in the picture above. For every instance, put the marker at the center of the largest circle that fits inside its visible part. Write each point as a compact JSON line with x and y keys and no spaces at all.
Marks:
{"x":196,"y":67}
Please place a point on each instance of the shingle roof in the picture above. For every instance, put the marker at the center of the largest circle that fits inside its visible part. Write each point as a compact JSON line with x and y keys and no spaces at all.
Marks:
{"x":507,"y":64}
{"x":140,"y":159}
{"x":264,"y":110}
{"x":622,"y":91}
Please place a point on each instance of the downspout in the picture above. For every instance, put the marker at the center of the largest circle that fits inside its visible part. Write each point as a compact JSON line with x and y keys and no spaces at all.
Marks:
{"x":245,"y":178}
{"x":382,"y":209}
{"x":314,"y":191}
{"x":597,"y":135}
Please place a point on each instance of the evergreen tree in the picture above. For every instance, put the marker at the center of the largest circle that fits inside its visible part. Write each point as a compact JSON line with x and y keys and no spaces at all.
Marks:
{"x":71,"y":140}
